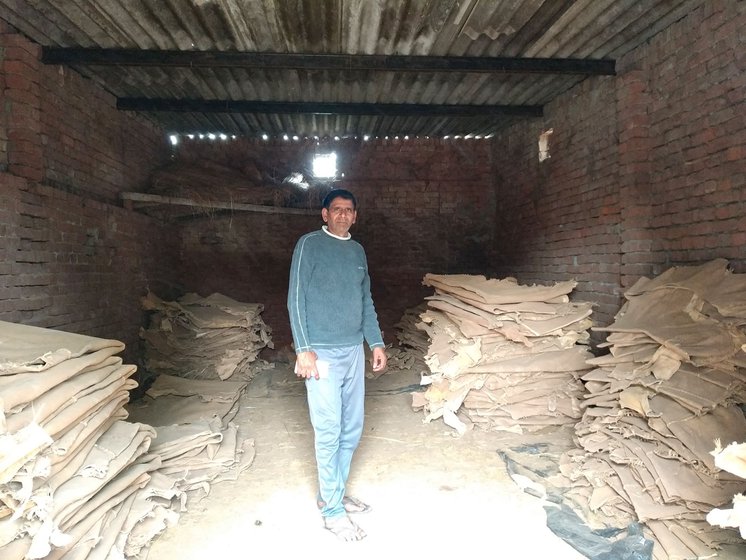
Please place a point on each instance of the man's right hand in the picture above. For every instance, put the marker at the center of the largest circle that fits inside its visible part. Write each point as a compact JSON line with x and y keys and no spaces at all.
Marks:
{"x":305,"y":365}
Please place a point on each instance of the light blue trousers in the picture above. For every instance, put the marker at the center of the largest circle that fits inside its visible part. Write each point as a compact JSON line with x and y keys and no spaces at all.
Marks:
{"x":336,"y":406}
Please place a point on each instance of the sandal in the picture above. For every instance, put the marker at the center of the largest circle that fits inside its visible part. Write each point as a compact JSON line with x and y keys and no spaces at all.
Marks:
{"x":351,"y":505}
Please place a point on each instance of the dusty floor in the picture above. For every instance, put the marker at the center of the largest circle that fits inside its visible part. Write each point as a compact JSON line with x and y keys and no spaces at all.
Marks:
{"x":433,"y":495}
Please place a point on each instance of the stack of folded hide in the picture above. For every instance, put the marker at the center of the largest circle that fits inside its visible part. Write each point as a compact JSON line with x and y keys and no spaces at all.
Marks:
{"x":409,"y":355}
{"x":203,"y":338}
{"x":506,"y":355}
{"x":76,"y":479}
{"x":670,"y":387}
{"x":197,"y":441}
{"x":408,"y":335}
{"x":73,"y":474}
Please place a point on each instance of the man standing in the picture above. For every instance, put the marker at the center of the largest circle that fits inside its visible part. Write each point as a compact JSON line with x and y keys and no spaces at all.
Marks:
{"x":331,"y":314}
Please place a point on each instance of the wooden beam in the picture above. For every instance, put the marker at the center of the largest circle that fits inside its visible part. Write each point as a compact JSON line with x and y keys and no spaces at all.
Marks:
{"x":298,"y":61}
{"x":130,"y":197}
{"x":278,"y":107}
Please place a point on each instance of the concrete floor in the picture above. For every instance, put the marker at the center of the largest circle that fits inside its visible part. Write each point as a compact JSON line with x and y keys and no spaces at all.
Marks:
{"x":433,"y":495}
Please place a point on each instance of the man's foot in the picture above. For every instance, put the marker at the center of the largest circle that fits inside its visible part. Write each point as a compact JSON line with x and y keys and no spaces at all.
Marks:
{"x":351,"y":505}
{"x":344,"y":528}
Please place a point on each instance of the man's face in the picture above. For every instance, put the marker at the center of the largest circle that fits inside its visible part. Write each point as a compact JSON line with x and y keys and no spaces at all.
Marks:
{"x":339,"y":217}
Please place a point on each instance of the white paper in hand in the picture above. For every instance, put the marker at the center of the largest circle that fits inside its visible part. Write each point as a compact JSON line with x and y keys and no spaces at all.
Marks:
{"x":323,"y":368}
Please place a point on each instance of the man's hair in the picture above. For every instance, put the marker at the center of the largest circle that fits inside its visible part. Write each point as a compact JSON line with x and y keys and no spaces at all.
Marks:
{"x":339,"y":193}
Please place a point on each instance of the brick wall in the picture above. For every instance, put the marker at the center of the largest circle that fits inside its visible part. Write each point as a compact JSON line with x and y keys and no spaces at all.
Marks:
{"x":88,"y":145}
{"x":65,"y":131}
{"x":696,"y":79}
{"x":71,"y":257}
{"x":75,"y":264}
{"x":424,"y":206}
{"x":646,"y":169}
{"x":4,"y":29}
{"x":559,"y":218}
{"x":19,"y":66}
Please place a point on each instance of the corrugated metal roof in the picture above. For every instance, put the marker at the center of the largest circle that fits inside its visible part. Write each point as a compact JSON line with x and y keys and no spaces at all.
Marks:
{"x":582,"y":29}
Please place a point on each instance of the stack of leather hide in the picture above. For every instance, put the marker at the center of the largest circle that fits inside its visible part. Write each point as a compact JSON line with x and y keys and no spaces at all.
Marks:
{"x":73,"y":474}
{"x":504,"y":355}
{"x":670,"y":387}
{"x":77,"y":481}
{"x":203,"y":338}
{"x":407,"y":333}
{"x":197,"y":441}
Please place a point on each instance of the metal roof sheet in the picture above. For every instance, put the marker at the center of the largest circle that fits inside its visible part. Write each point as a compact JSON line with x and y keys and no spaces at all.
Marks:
{"x":578,"y":29}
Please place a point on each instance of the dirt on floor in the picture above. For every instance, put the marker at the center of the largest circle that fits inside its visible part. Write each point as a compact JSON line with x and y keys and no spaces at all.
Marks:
{"x":434,"y":495}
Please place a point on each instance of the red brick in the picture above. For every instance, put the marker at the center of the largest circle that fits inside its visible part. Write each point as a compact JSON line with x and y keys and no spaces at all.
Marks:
{"x":13,"y":41}
{"x":30,"y":173}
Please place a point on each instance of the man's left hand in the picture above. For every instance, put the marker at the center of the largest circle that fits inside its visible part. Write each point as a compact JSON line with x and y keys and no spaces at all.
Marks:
{"x":379,"y":358}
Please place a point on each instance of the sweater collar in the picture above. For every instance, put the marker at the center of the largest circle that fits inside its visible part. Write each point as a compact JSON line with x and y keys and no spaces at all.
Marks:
{"x":329,"y":233}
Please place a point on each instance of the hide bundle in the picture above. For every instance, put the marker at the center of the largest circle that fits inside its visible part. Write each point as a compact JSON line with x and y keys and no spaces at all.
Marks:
{"x":407,"y":333}
{"x":655,"y":406}
{"x":413,"y":343}
{"x":76,"y":479}
{"x":197,"y":440}
{"x":506,"y":355}
{"x":203,"y":338}
{"x":73,"y":473}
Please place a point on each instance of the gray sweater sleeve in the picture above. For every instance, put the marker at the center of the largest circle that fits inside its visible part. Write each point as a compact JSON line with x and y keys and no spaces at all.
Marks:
{"x":371,"y":330}
{"x":297,"y":298}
